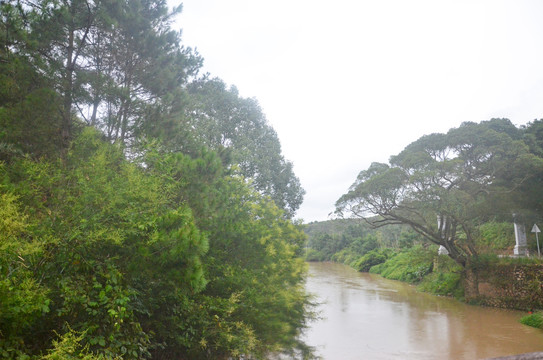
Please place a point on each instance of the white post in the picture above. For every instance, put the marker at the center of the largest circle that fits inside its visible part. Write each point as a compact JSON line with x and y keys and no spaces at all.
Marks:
{"x":442,"y":249}
{"x":535,"y":229}
{"x":537,"y":239}
{"x":520,"y":238}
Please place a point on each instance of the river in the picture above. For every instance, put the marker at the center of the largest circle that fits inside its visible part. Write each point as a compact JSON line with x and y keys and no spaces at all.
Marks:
{"x":367,"y":317}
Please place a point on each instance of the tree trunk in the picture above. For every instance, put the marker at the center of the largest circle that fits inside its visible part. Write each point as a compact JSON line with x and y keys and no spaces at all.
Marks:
{"x":95,"y":105}
{"x":471,"y":282}
{"x":470,"y":278}
{"x":66,"y":130}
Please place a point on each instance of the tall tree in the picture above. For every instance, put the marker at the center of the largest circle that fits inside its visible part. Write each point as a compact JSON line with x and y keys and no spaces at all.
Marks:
{"x":146,"y":64}
{"x":533,"y":189}
{"x":254,"y":303}
{"x":101,"y":250}
{"x":112,"y":62}
{"x":222,"y":119}
{"x":29,"y":117}
{"x":445,"y":186}
{"x":58,"y":39}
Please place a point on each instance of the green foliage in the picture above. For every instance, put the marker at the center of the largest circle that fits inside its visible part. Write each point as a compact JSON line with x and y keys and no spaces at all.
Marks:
{"x":255,"y":256}
{"x":345,"y":256}
{"x":440,"y":283}
{"x":445,"y":279}
{"x":254,"y":302}
{"x":496,"y":236}
{"x":328,"y":245}
{"x":346,"y":241}
{"x":313,"y":255}
{"x":101,"y":306}
{"x":532,"y":188}
{"x":23,"y":299}
{"x":68,"y":347}
{"x":224,"y":121}
{"x":335,"y":226}
{"x":372,"y":258}
{"x":29,"y":118}
{"x":533,"y":320}
{"x":178,"y":259}
{"x":487,"y":260}
{"x":469,"y":176}
{"x":124,"y":253}
{"x":165,"y":233}
{"x":439,"y":275}
{"x":409,"y":266}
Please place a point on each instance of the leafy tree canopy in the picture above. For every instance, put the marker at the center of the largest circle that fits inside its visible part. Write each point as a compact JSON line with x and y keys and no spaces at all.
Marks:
{"x":445,"y":185}
{"x":223,"y":120}
{"x":145,"y":210}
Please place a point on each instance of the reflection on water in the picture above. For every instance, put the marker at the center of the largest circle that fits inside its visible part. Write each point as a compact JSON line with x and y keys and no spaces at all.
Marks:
{"x":368,"y":317}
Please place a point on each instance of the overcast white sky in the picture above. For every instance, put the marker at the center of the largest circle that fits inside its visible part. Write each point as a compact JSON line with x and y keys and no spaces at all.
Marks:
{"x":348,"y":82}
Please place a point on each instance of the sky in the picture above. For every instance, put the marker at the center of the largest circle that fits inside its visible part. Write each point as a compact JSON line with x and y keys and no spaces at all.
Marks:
{"x":350,"y":82}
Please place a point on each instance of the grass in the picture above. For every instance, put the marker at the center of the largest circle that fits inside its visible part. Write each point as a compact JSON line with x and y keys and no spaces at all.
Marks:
{"x":410,"y":266}
{"x":533,"y":320}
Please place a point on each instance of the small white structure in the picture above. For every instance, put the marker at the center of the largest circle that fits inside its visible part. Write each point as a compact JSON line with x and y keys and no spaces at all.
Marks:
{"x":535,"y":229}
{"x":442,"y":250}
{"x":520,"y":238}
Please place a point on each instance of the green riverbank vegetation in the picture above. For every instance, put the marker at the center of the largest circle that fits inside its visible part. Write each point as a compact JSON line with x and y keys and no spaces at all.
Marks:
{"x":145,"y":210}
{"x":533,"y":320}
{"x":460,"y":191}
{"x":394,"y":252}
{"x":397,"y":253}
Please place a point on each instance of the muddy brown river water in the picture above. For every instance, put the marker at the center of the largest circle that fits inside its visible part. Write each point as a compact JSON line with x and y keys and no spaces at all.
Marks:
{"x":367,"y":317}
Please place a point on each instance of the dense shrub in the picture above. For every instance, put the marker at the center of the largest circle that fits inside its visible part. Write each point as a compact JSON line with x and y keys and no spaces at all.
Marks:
{"x":443,"y":283}
{"x":534,"y":320}
{"x":100,"y":258}
{"x":374,"y":257}
{"x":346,"y":256}
{"x":496,"y":235}
{"x":313,"y":255}
{"x":410,"y":266}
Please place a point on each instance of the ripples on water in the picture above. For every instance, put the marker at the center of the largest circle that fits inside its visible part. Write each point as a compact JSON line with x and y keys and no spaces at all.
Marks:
{"x":368,"y":317}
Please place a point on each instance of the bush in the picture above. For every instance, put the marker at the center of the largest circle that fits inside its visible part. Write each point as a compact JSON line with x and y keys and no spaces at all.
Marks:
{"x":313,"y":255}
{"x":496,"y":235}
{"x":69,"y":347}
{"x":345,"y":256}
{"x":409,"y":266}
{"x":534,"y":320}
{"x":101,"y":258}
{"x":443,"y":283}
{"x":445,"y":279}
{"x":374,"y":257}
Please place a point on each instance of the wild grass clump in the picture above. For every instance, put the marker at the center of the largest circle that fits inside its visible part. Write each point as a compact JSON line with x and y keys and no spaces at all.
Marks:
{"x":442,"y":283}
{"x":533,"y":320}
{"x":372,"y":258}
{"x":496,"y":235}
{"x":445,"y":279}
{"x":345,"y":256}
{"x":410,"y":266}
{"x":521,"y":260}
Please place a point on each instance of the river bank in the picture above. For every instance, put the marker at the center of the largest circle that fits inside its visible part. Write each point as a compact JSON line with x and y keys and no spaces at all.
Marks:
{"x":509,"y":283}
